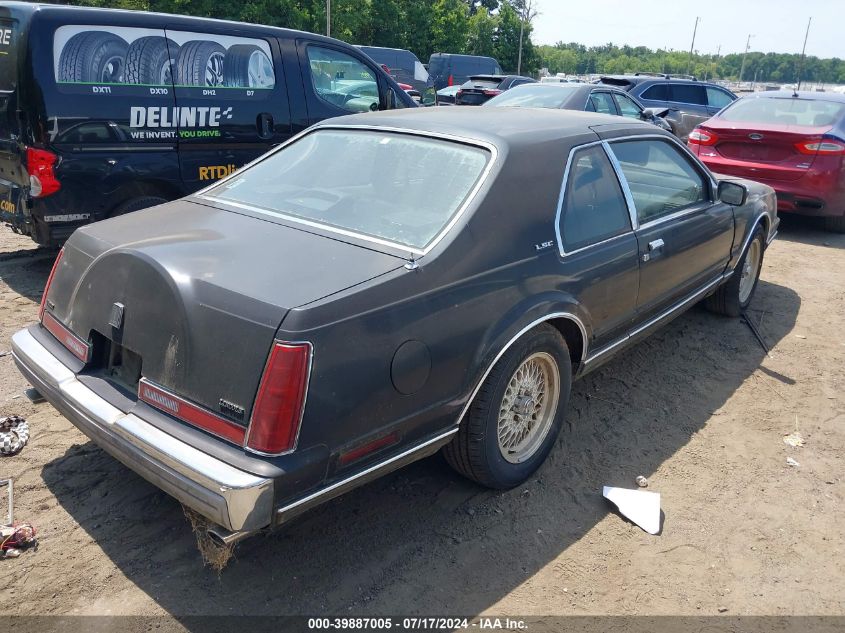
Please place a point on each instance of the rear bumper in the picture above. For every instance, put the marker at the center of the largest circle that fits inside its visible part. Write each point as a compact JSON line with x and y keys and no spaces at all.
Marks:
{"x":232,"y":498}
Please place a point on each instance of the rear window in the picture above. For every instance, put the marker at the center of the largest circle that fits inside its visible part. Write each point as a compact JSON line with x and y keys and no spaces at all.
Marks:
{"x":484,"y":83}
{"x":785,"y":111}
{"x":687,"y":93}
{"x":8,"y":55}
{"x":548,"y":96}
{"x":396,"y":188}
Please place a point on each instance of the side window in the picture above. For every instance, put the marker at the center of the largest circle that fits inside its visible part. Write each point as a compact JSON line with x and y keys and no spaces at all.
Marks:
{"x":687,"y":93}
{"x":717,"y":98}
{"x":660,"y":177}
{"x":657,"y":92}
{"x":594,"y":208}
{"x":342,"y":80}
{"x":626,"y":106}
{"x":601,"y":102}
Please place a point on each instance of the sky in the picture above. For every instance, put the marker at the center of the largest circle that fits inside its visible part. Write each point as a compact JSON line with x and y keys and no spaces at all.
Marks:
{"x":775,"y":25}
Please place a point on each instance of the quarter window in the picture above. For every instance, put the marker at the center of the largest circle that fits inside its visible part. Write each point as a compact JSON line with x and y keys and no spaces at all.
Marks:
{"x":601,"y":102}
{"x":627,"y":107}
{"x":594,"y":208}
{"x":342,"y":80}
{"x":660,"y":178}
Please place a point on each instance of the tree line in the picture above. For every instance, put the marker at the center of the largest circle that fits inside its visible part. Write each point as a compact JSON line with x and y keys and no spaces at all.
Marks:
{"x":486,"y":27}
{"x":764,"y":67}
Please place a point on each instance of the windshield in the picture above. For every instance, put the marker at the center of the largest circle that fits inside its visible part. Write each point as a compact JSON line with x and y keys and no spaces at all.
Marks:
{"x":536,"y":96}
{"x":399,"y":188}
{"x":784,"y":111}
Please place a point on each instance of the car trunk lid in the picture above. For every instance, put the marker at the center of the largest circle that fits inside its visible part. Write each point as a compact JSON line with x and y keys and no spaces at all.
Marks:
{"x":191,"y":296}
{"x":755,"y":150}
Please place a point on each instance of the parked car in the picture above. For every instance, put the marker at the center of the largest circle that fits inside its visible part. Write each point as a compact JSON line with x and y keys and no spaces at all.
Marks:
{"x":574,"y":96}
{"x":103,"y":112}
{"x":793,"y":142}
{"x":446,"y":96}
{"x":340,"y":307}
{"x":690,"y":101}
{"x":404,"y":67}
{"x":448,"y":69}
{"x":481,"y":88}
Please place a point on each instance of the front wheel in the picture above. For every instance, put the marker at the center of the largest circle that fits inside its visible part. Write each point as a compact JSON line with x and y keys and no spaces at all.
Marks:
{"x":516,"y":416}
{"x":733,"y":297}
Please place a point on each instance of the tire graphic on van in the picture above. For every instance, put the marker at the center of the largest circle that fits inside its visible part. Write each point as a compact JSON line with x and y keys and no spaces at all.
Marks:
{"x":247,"y":66}
{"x":93,"y":57}
{"x":200,"y":63}
{"x":150,"y":60}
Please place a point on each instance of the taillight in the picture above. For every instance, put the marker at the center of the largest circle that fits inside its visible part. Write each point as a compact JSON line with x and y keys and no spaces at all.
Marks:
{"x":492,"y":92}
{"x":451,"y":81}
{"x":702,"y":137}
{"x":825,"y":146}
{"x":42,"y":177}
{"x":459,"y":94}
{"x":277,"y":413}
{"x":47,"y":286}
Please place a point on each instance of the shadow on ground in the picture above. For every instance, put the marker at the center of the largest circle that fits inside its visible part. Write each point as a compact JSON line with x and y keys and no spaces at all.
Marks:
{"x":808,"y":230}
{"x":424,"y":540}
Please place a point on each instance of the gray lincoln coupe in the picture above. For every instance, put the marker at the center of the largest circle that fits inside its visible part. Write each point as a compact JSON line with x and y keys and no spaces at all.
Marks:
{"x":381,"y":287}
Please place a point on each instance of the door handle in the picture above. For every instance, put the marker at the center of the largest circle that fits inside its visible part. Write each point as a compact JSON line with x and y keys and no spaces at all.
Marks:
{"x":264,"y":123}
{"x":655,"y":245}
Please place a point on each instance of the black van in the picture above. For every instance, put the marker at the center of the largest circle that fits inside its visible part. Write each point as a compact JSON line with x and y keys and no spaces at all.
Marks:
{"x":448,"y":69}
{"x":103,"y":111}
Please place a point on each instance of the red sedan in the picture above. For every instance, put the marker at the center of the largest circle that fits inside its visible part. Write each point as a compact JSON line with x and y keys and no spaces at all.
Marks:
{"x":793,"y":142}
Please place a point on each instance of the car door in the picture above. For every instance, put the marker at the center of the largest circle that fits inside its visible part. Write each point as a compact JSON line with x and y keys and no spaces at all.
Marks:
{"x":684,"y":234}
{"x":596,"y":244}
{"x":337,"y":81}
{"x":231,"y":101}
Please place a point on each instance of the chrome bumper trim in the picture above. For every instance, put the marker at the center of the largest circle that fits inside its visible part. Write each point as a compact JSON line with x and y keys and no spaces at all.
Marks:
{"x":226,"y":495}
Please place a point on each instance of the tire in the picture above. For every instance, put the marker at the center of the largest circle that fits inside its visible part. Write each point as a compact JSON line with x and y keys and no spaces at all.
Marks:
{"x":200,"y":63}
{"x":150,"y":60}
{"x":136,"y":204}
{"x":835,"y":224}
{"x":477,"y":451}
{"x":733,"y":297}
{"x":247,"y":66}
{"x":93,"y":57}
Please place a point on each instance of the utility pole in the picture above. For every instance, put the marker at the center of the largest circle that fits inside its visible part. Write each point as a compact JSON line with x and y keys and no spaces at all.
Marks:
{"x":803,"y":50}
{"x":747,"y":46}
{"x":694,"y":30}
{"x":525,"y":15}
{"x":328,"y":18}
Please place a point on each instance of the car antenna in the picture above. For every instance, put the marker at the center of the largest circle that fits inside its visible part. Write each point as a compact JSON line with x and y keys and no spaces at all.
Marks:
{"x":801,"y":61}
{"x":412,"y":263}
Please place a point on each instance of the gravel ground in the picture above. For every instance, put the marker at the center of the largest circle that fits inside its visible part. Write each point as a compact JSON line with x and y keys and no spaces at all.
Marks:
{"x":698,"y":408}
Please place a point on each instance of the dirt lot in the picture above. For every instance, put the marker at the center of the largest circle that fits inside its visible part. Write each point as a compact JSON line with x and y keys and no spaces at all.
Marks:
{"x":698,"y":409}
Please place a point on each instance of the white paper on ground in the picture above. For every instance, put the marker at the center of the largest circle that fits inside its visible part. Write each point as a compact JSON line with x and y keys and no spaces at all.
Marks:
{"x":642,"y":507}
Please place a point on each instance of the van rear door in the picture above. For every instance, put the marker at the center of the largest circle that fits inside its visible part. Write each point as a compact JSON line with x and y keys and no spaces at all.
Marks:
{"x":12,"y":174}
{"x":231,"y":98}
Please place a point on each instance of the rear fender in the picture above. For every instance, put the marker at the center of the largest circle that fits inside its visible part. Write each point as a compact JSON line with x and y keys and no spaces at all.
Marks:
{"x":525,"y":316}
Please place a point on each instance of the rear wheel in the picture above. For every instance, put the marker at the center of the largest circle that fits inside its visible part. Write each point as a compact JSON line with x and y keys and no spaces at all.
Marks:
{"x":516,"y":416}
{"x":733,"y":297}
{"x":93,"y":57}
{"x":835,"y":224}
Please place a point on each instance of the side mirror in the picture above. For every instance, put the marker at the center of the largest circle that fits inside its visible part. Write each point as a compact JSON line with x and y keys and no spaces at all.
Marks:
{"x":732,"y":193}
